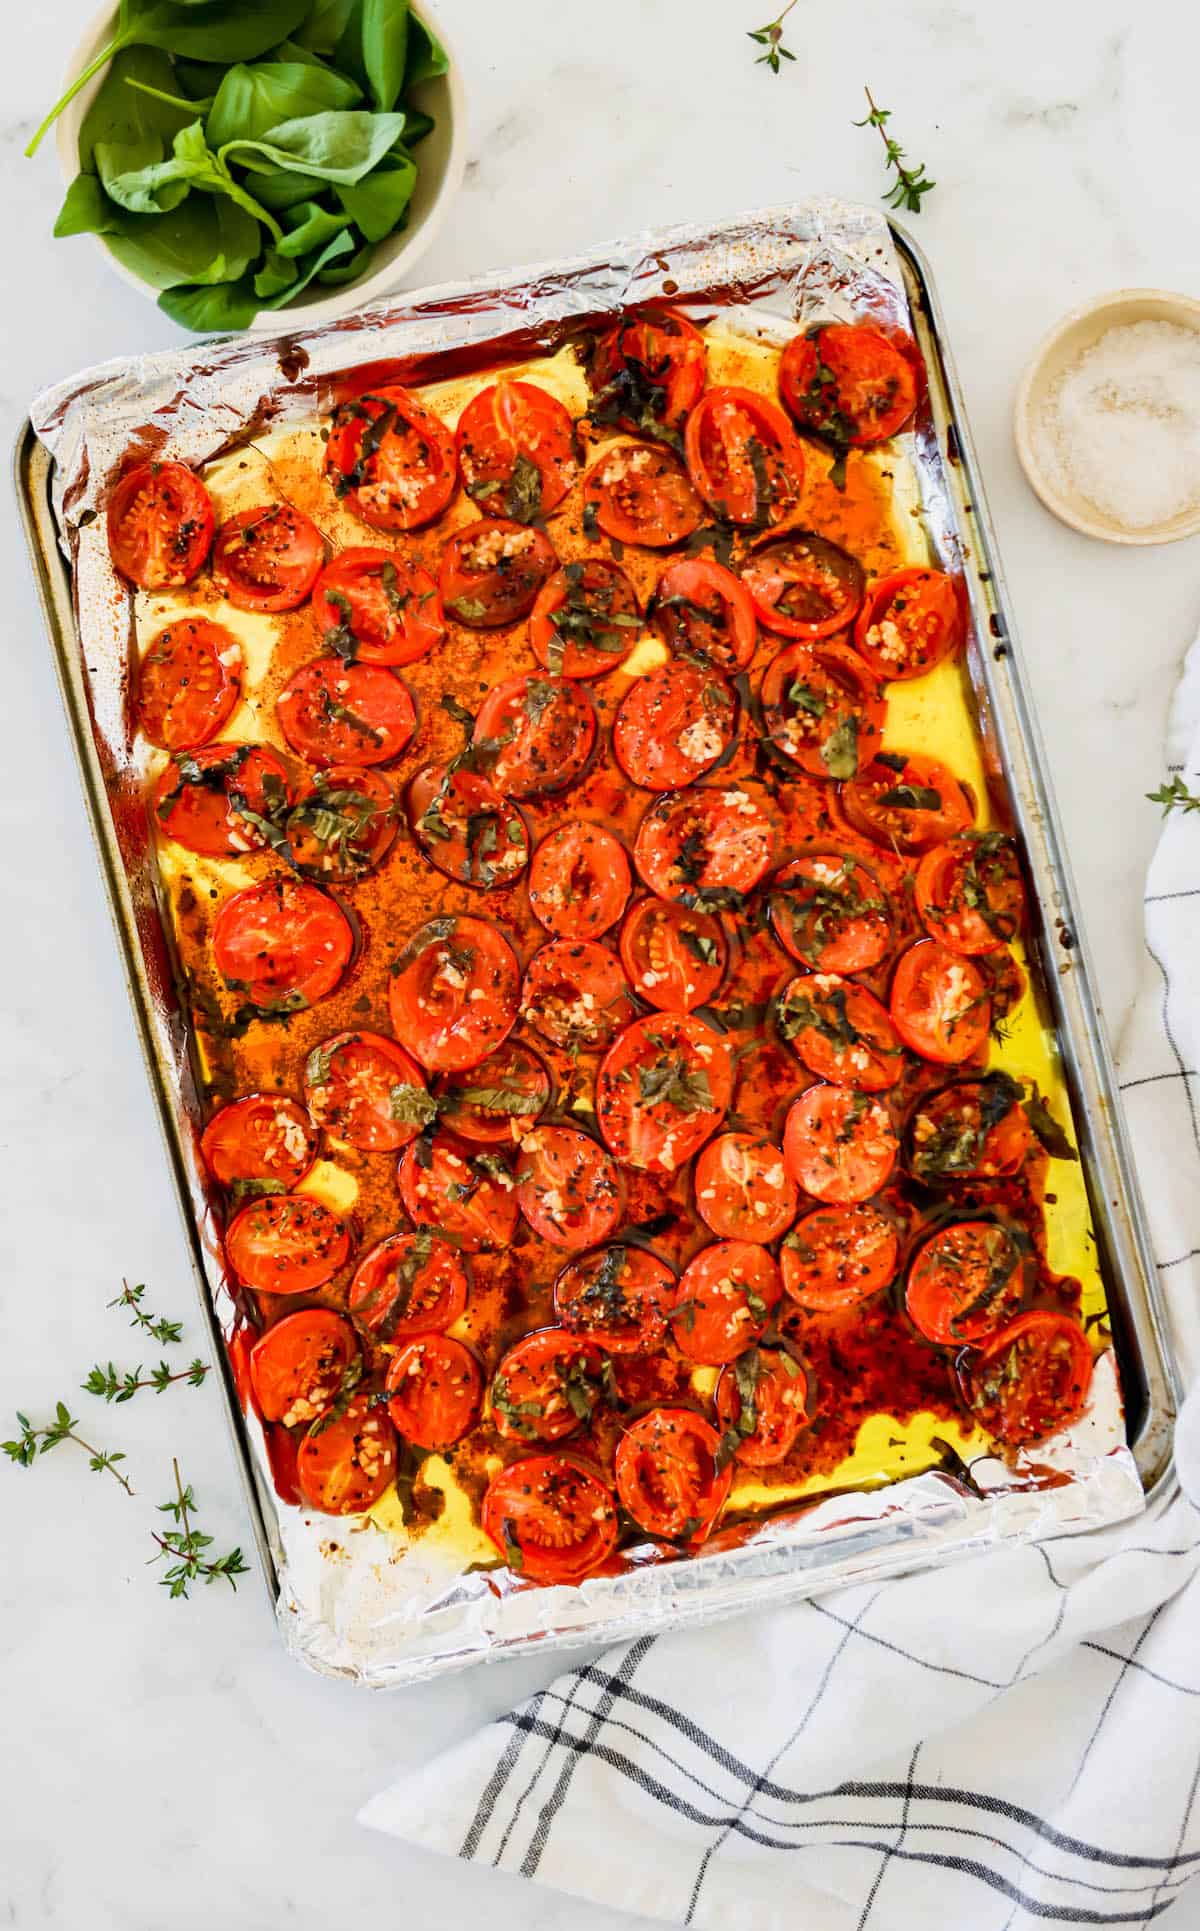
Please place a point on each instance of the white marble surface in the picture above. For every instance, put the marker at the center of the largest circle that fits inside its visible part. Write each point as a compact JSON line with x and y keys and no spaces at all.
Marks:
{"x":164,"y":1764}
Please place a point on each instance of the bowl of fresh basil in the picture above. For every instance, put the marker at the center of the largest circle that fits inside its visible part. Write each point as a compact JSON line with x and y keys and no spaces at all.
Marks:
{"x":260,"y":164}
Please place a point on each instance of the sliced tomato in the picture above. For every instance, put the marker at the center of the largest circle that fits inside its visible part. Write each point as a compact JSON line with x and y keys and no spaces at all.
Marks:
{"x":286,"y":1244}
{"x":1031,"y":1380}
{"x":802,"y":585}
{"x":188,"y":683}
{"x":434,"y":1388}
{"x":552,"y":1520}
{"x":391,"y":459}
{"x":377,"y":607}
{"x":640,"y":493}
{"x":575,"y":994}
{"x":297,"y":1366}
{"x":939,"y":1004}
{"x":466,"y":828}
{"x":849,"y":383}
{"x":267,"y":558}
{"x":667,"y":1474}
{"x":346,"y":1461}
{"x":454,"y":992}
{"x":261,"y":1137}
{"x":969,"y":892}
{"x":763,"y":1401}
{"x":647,"y":372}
{"x":911,"y":621}
{"x":568,"y":1187}
{"x":663,"y":1088}
{"x":700,"y":606}
{"x":218,"y":800}
{"x":160,"y":525}
{"x":907,"y":803}
{"x":586,"y":619}
{"x":336,"y":713}
{"x":973,"y":1130}
{"x":965,"y":1282}
{"x":724,"y":1301}
{"x":500,"y":1100}
{"x":516,"y":451}
{"x":491,"y":572}
{"x":548,"y":1385}
{"x":823,"y":709}
{"x":619,"y":1297}
{"x":409,"y":1284}
{"x":744,"y":457}
{"x":830,"y":913}
{"x":838,"y":1256}
{"x":468,"y":1197}
{"x":839,"y":1145}
{"x":840,"y":1031}
{"x":283,"y":944}
{"x":344,"y":825}
{"x":743,"y":1191}
{"x":537,"y":733}
{"x":674,"y":724}
{"x":364,"y":1089}
{"x":675,"y":956}
{"x":710,"y":845}
{"x":579,"y":880}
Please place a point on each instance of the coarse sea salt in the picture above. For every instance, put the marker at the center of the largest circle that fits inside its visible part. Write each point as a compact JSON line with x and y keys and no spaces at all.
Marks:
{"x":1122,"y":424}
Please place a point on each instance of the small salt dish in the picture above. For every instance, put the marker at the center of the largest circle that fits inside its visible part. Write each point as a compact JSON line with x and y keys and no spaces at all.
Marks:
{"x":1077,"y":333}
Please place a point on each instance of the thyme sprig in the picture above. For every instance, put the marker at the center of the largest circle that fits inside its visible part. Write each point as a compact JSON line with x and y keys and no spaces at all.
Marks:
{"x":1174,"y":792}
{"x":771,"y":37}
{"x":166,"y":1333}
{"x":188,"y":1546}
{"x":34,"y":1441}
{"x":122,"y":1384}
{"x":911,"y":184}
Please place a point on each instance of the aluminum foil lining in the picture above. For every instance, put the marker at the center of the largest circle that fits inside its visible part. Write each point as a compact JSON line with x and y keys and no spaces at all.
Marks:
{"x":382,"y":1613}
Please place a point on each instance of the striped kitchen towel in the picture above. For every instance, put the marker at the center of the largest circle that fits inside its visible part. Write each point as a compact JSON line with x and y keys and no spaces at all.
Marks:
{"x":1010,"y":1742}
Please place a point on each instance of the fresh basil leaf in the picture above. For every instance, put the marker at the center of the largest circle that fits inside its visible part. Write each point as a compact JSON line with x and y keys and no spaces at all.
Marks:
{"x":140,"y":185}
{"x":416,"y":126}
{"x":211,"y":311}
{"x":377,"y":203}
{"x":207,"y":240}
{"x":193,"y":163}
{"x":337,"y":246}
{"x":280,"y":189}
{"x":87,"y":210}
{"x":313,"y":227}
{"x":121,"y":115}
{"x":348,"y":269}
{"x":426,"y":56}
{"x":339,"y":147}
{"x":385,"y":49}
{"x":325,"y":26}
{"x":252,"y":100}
{"x":276,"y":274}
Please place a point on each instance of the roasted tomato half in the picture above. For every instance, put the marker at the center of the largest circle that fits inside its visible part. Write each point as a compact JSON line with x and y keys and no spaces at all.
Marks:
{"x":188,"y":683}
{"x":536,"y":734}
{"x":839,"y":1145}
{"x":707,"y":846}
{"x":434,"y":1388}
{"x":282,"y":944}
{"x":467,"y":1195}
{"x":701,"y":607}
{"x":347,"y":1460}
{"x":849,"y":383}
{"x":516,"y":452}
{"x":366,"y":1090}
{"x":297,"y":1366}
{"x":663,"y":1087}
{"x":764,"y":1399}
{"x":972,"y":1130}
{"x":745,"y":458}
{"x":466,"y":827}
{"x":675,"y":723}
{"x":391,"y":459}
{"x":579,"y":880}
{"x":618,"y":1296}
{"x":568,"y":1187}
{"x":823,"y":709}
{"x":675,"y":956}
{"x":344,"y":825}
{"x":454,"y":992}
{"x":647,"y":372}
{"x":374,"y":606}
{"x":724,"y":1300}
{"x":267,"y":558}
{"x":553,"y":1520}
{"x":840,"y":1031}
{"x":409,"y":1284}
{"x":802,"y":585}
{"x":640,"y":493}
{"x":261,"y":1137}
{"x":331,"y":712}
{"x":940,"y":1004}
{"x":586,"y":619}
{"x":838,"y":1256}
{"x":286,"y":1244}
{"x":500,"y":1100}
{"x":160,"y":525}
{"x":224,"y":799}
{"x":576,"y":995}
{"x":910,"y":622}
{"x":831,"y":913}
{"x":907,"y":803}
{"x":668,"y":1476}
{"x":548,"y":1386}
{"x":1031,"y":1380}
{"x":969,"y":892}
{"x":491,"y":572}
{"x":966,"y":1281}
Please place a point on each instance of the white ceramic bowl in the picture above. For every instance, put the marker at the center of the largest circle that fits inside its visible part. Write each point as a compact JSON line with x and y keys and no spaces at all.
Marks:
{"x":441,"y":159}
{"x":1076,"y":333}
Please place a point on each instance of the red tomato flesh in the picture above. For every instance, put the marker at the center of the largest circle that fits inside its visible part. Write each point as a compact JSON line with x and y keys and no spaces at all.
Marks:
{"x":544,"y":731}
{"x":575,"y":994}
{"x":838,"y":1256}
{"x":336,"y":713}
{"x":375,"y":607}
{"x":744,"y":457}
{"x":267,"y":558}
{"x":704,"y":846}
{"x":160,"y":525}
{"x":910,"y":622}
{"x":969,"y":892}
{"x":647,"y":372}
{"x":409,"y":1284}
{"x":667,"y":1475}
{"x":516,"y":450}
{"x":675,"y":957}
{"x":1031,"y":1380}
{"x":965,"y":1282}
{"x":743,"y":1192}
{"x":297,"y":1366}
{"x":491,"y":572}
{"x":823,"y":709}
{"x":907,"y":803}
{"x":209,"y":800}
{"x":261,"y":1137}
{"x":763,"y":1401}
{"x":579,"y":880}
{"x":188,"y":684}
{"x":286,"y":1244}
{"x":724,"y":1301}
{"x":939,"y":1004}
{"x":639,"y":493}
{"x":391,"y":459}
{"x":619,"y":1297}
{"x":849,"y":383}
{"x":802,"y":585}
{"x":840,"y":1031}
{"x":663,"y":1087}
{"x":347,"y":1461}
{"x":839,"y":1145}
{"x":466,"y":827}
{"x":430,"y":993}
{"x":282,"y":944}
{"x":674,"y":724}
{"x":468,"y":1197}
{"x":568,"y":1187}
{"x":586,"y":619}
{"x":700,"y":606}
{"x":831,"y":913}
{"x":548,"y":1386}
{"x":434,"y":1390}
{"x":552,"y":1520}
{"x":364,"y":1089}
{"x":498,"y":1101}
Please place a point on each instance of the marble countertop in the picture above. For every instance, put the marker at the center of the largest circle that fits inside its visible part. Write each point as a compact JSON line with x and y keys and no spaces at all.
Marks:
{"x":167,"y":1764}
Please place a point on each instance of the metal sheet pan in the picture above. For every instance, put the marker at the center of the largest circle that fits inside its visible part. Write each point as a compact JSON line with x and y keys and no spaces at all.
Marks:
{"x":809,"y":260}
